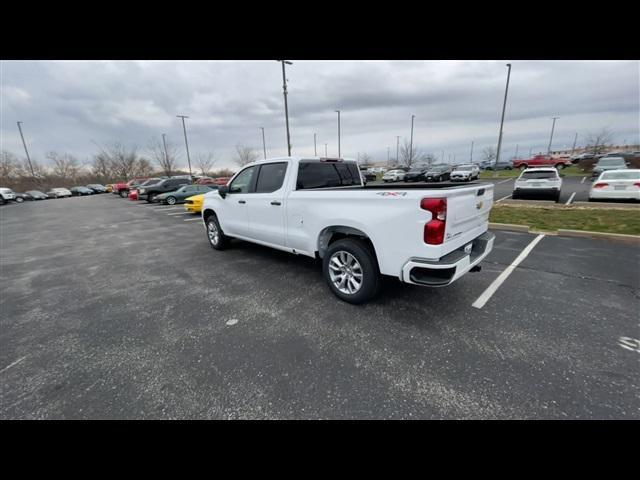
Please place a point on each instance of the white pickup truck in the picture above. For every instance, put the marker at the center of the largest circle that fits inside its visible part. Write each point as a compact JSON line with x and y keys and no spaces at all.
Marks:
{"x":423,"y":234}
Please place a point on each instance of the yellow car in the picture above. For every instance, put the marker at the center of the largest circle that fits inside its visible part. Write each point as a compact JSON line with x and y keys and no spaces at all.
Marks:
{"x":194,"y":204}
{"x":109,"y":187}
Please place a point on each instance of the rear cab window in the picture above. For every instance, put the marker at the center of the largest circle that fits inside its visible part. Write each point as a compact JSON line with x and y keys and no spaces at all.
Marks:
{"x":314,"y":174}
{"x":542,"y":175}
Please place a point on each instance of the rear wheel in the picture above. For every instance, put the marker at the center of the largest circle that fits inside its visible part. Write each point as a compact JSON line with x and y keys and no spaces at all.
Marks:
{"x":351,"y":270}
{"x":217,"y":238}
{"x":560,"y":166}
{"x":171,"y":200}
{"x":522,"y":167}
{"x":123,"y":194}
{"x":150,"y":197}
{"x":19,"y":199}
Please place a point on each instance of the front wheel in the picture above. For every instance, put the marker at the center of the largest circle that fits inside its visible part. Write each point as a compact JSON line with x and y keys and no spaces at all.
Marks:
{"x":522,"y":167}
{"x":171,"y":200}
{"x":217,"y":239}
{"x":150,"y":198}
{"x":351,"y":271}
{"x":19,"y":199}
{"x":560,"y":166}
{"x":123,"y":194}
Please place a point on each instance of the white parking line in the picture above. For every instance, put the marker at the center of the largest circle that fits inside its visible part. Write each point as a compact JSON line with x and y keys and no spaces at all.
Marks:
{"x":165,"y":209}
{"x":504,"y":198}
{"x":505,"y":181}
{"x":13,"y":364}
{"x":570,"y":198}
{"x":486,"y":295}
{"x":191,"y":219}
{"x":583,"y":179}
{"x":179,"y":213}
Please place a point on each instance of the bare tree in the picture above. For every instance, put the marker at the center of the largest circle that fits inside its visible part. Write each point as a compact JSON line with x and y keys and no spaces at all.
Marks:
{"x":489,"y":154}
{"x":65,"y":165}
{"x":412,"y":156}
{"x":121,"y":159}
{"x":596,"y":142}
{"x":205,"y":161}
{"x":245,"y":155}
{"x":365,"y":159}
{"x":143,"y":168}
{"x":9,"y":166}
{"x":224,"y":172}
{"x":167,"y":161}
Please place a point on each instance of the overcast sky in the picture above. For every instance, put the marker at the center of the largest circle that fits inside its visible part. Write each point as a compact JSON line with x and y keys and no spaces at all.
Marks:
{"x":69,"y":105}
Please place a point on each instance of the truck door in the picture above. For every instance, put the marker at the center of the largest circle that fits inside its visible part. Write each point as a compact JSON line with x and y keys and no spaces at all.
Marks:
{"x":234,"y":218}
{"x":266,"y":204}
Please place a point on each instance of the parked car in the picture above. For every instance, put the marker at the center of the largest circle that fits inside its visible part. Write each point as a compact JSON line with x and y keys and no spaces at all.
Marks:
{"x":81,"y":191}
{"x":7,"y":195}
{"x":133,"y":190}
{"x":37,"y":195}
{"x":541,"y":161}
{"x":181,"y":194}
{"x":292,"y":204}
{"x":23,"y":197}
{"x":149,"y":192}
{"x":438,"y":173}
{"x":616,"y":185}
{"x":109,"y":187}
{"x":213,"y":181}
{"x":396,"y":175}
{"x":416,"y":174}
{"x":466,"y":172}
{"x":194,"y":204}
{"x":97,"y":188}
{"x":608,"y":163}
{"x":123,"y":188}
{"x":583,"y":156}
{"x":59,"y":193}
{"x":499,"y":166}
{"x":538,"y":181}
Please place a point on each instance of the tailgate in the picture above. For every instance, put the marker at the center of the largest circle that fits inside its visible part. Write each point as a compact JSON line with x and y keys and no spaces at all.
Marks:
{"x":468,"y":210}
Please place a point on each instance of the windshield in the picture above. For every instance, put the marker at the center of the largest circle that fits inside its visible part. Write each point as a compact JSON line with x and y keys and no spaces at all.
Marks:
{"x":608,"y":162}
{"x":463,"y":167}
{"x":628,"y":175}
{"x":539,"y":175}
{"x":34,"y":192}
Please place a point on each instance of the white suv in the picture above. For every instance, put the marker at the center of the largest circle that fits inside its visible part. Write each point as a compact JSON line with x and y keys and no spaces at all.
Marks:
{"x":538,"y":181}
{"x":393,"y":176}
{"x":6,"y":195}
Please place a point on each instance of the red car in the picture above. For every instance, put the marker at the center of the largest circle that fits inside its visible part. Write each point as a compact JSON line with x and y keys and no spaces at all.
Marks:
{"x":213,"y":181}
{"x":122,"y":188}
{"x":541,"y":161}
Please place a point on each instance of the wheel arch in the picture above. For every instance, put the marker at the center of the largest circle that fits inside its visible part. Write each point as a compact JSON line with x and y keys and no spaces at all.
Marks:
{"x":330,"y":234}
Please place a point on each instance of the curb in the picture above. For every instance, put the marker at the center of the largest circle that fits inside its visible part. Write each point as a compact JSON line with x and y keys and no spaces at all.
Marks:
{"x":628,"y":206}
{"x":567,"y":233}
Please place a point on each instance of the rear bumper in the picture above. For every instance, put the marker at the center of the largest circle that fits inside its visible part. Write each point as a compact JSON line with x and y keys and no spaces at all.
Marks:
{"x":536,"y":191}
{"x":596,"y":194}
{"x":449,"y":268}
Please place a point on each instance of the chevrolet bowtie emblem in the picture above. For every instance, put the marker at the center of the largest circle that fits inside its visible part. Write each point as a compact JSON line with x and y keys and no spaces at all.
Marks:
{"x":479,"y":205}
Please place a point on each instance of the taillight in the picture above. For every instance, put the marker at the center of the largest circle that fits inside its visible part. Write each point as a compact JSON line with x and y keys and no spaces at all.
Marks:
{"x":637,"y":184}
{"x":601,"y":185}
{"x":434,"y":229}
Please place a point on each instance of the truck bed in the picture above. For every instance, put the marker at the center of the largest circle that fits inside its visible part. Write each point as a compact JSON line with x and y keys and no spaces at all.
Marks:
{"x":406,"y":186}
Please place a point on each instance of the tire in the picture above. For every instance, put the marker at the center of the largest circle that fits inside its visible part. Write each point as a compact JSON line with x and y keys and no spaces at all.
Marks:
{"x":171,"y":200}
{"x":219,"y":241}
{"x":557,"y":197}
{"x":340,"y":256}
{"x":560,"y":166}
{"x":123,"y":194}
{"x":19,"y":199}
{"x":521,"y":167}
{"x":150,"y":197}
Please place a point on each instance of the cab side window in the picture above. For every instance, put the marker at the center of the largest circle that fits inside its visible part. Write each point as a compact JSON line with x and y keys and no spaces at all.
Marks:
{"x":270,"y":177}
{"x":243,"y":182}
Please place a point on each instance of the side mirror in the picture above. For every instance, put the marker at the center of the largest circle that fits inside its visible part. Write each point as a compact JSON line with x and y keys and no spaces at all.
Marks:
{"x":223,"y":190}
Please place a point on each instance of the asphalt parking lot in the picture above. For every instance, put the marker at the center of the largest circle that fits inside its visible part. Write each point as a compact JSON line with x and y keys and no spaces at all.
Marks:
{"x":114,"y":309}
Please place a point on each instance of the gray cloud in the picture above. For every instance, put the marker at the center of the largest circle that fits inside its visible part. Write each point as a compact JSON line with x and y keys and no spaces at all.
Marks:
{"x":72,"y":104}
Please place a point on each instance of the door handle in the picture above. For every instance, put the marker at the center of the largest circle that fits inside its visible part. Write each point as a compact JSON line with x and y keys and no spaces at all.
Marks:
{"x":242,"y":201}
{"x":275,"y":203}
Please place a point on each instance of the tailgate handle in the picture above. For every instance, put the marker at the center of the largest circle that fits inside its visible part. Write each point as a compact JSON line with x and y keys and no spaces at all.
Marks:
{"x":275,"y":203}
{"x":480,"y":192}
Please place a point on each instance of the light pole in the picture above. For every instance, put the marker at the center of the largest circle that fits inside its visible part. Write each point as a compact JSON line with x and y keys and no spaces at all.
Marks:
{"x":504,"y":107}
{"x":575,"y":139}
{"x":166,"y":155}
{"x":442,"y":156}
{"x":388,"y":155}
{"x":186,"y":143}
{"x":530,"y":152}
{"x":286,"y":107}
{"x":26,"y":151}
{"x":264,"y":145}
{"x":338,"y":111}
{"x":516,"y":150}
{"x":325,"y":150}
{"x":397,"y":150}
{"x":411,"y":143}
{"x":315,"y":149}
{"x":471,"y":156}
{"x":553,"y":126}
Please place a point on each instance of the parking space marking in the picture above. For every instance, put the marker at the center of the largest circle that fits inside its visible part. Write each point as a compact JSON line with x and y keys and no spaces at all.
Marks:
{"x":570,"y":198}
{"x":486,"y":295}
{"x":504,"y":198}
{"x":505,"y":181}
{"x":165,"y":209}
{"x":583,"y":179}
{"x":629,"y":343}
{"x":191,"y":219}
{"x":179,"y":213}
{"x":13,"y":364}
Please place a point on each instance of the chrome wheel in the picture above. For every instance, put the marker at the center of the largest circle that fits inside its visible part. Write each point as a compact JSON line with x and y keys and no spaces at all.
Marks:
{"x":345,"y":272}
{"x":171,"y":201}
{"x":213,"y":232}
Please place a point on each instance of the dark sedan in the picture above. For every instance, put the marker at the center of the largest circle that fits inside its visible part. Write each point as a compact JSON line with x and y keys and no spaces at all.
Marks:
{"x":438,"y":173}
{"x":80,"y":191}
{"x":37,"y":194}
{"x":415,"y":175}
{"x":23,"y":197}
{"x":499,"y":166}
{"x":97,"y":188}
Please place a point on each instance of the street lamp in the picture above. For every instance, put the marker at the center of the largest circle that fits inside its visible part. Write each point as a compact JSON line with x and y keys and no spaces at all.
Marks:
{"x":553,"y":126}
{"x":26,"y":151}
{"x":325,"y":150}
{"x":264,"y":145}
{"x":338,"y":111}
{"x":411,"y":143}
{"x":315,"y":149}
{"x":397,"y":149}
{"x":166,"y":155}
{"x":286,"y":107}
{"x":184,"y":128}
{"x":471,"y":156}
{"x":504,"y":107}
